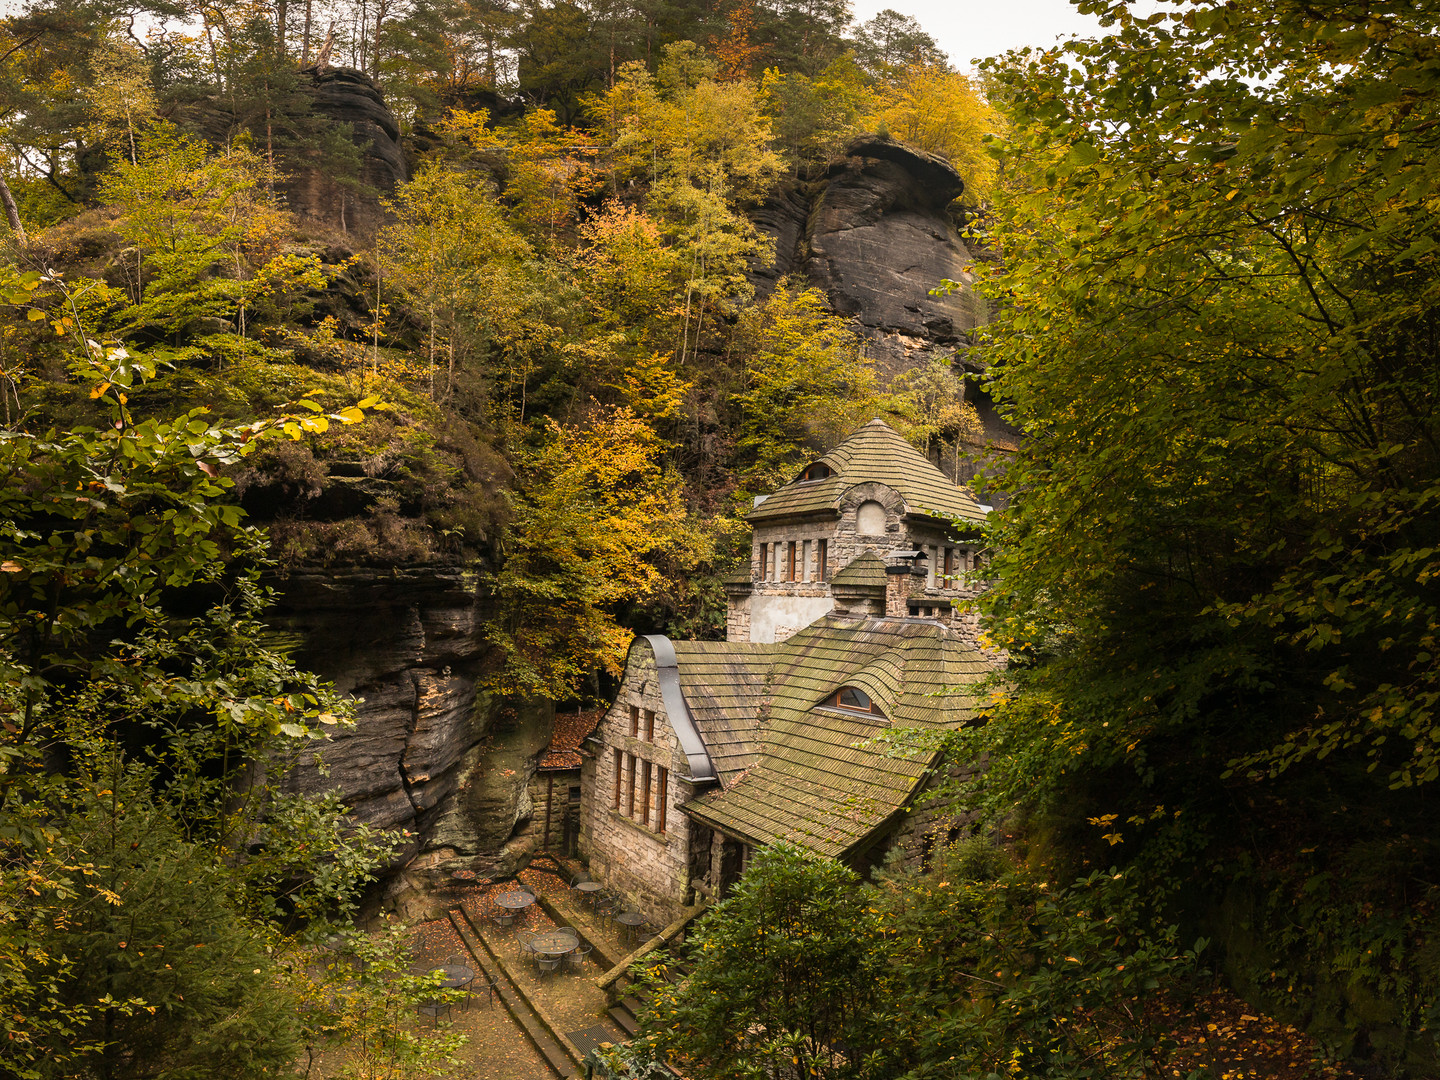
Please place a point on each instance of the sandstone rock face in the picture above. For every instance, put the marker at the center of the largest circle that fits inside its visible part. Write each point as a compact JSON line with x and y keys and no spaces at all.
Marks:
{"x":429,"y":754}
{"x":347,"y":96}
{"x":875,"y":235}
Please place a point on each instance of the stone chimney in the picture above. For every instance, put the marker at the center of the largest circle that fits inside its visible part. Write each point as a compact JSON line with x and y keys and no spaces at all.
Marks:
{"x":905,"y":577}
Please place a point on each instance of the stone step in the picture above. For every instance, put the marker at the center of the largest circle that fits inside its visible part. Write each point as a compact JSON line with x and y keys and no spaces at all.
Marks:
{"x":625,"y":1018}
{"x":563,"y":1060}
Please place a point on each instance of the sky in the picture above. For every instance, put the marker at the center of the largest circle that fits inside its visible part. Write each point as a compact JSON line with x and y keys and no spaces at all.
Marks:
{"x":968,"y":29}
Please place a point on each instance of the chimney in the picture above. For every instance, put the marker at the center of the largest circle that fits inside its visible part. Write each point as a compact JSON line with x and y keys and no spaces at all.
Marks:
{"x":905,"y":577}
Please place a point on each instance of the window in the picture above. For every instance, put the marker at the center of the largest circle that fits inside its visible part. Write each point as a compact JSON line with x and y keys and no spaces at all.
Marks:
{"x":853,"y":699}
{"x":949,"y":571}
{"x":649,"y":726}
{"x":764,"y":564}
{"x":644,"y":793}
{"x":574,"y":795}
{"x":630,"y":807}
{"x":634,"y":720}
{"x":817,"y":471}
{"x":790,"y":562}
{"x":662,"y":779}
{"x":619,"y":763}
{"x":821,"y":551}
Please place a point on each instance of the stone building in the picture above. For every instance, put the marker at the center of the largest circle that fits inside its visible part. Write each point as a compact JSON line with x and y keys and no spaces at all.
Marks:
{"x":876,"y":494}
{"x":844,"y":631}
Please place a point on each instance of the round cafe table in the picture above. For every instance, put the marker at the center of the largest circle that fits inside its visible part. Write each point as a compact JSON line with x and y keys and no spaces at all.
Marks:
{"x":554,"y":943}
{"x":631,"y":920}
{"x":591,"y":889}
{"x":456,"y":976}
{"x":515,"y":901}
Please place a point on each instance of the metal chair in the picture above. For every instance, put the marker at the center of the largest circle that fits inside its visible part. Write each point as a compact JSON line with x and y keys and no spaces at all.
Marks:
{"x":575,"y":958}
{"x":434,"y":1007}
{"x":491,"y":988}
{"x":504,"y":918}
{"x":547,"y":965}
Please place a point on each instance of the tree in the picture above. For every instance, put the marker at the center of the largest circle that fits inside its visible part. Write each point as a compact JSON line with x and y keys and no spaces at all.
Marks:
{"x":806,"y":384}
{"x":559,"y":57}
{"x":704,"y":146}
{"x":786,"y":981}
{"x":454,"y":255}
{"x":1217,"y":575}
{"x":597,"y":514}
{"x":891,"y":41}
{"x":148,"y":861}
{"x":812,"y":118}
{"x":943,"y":112}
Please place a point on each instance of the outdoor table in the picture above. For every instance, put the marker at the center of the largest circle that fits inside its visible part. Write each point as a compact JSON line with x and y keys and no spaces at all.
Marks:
{"x":590,"y":889}
{"x":456,"y":976}
{"x":515,"y":901}
{"x":631,"y":920}
{"x":554,"y":943}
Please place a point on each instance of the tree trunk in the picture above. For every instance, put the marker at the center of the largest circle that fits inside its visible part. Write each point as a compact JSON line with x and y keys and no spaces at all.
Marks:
{"x":12,"y":214}
{"x":305,"y":39}
{"x":282,"y":17}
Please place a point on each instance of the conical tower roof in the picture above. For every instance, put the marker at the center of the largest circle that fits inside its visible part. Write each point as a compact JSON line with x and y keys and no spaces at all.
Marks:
{"x":876,"y":453}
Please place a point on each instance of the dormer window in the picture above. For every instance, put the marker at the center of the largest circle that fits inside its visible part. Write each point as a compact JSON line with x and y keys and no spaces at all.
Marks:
{"x":818,"y":471}
{"x":852,"y":699}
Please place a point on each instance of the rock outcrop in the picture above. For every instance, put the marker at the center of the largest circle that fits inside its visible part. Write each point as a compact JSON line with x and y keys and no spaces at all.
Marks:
{"x":431,"y":755}
{"x":347,"y":96}
{"x":875,"y":234}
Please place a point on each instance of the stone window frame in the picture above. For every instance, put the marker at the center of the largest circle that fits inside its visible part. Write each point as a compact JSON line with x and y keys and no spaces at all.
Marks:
{"x":662,"y":793}
{"x":764,"y":562}
{"x":644,"y":799}
{"x":619,"y":777}
{"x":792,"y":561}
{"x":647,"y":733}
{"x":822,"y":554}
{"x":634,"y":721}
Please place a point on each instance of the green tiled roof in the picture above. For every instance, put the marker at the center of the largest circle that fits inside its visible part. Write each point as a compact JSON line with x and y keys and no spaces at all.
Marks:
{"x":866,"y":570}
{"x":812,"y":782}
{"x":876,"y":453}
{"x":725,"y":684}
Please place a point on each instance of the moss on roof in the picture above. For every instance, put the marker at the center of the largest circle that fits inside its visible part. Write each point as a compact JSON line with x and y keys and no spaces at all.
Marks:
{"x":816,"y":779}
{"x":866,"y":570}
{"x":725,"y":685}
{"x":876,"y":453}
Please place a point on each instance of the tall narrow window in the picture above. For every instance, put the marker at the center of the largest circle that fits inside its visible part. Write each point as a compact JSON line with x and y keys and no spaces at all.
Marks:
{"x":644,"y":793}
{"x":649,"y":726}
{"x":630,"y":808}
{"x":634,"y":720}
{"x":764,"y":561}
{"x":790,"y":567}
{"x":820,"y":554}
{"x":949,"y":582}
{"x":619,"y":772}
{"x":662,"y":779}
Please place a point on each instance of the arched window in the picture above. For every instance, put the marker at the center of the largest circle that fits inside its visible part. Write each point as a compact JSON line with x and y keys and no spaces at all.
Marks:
{"x":852,"y":699}
{"x":817,"y":471}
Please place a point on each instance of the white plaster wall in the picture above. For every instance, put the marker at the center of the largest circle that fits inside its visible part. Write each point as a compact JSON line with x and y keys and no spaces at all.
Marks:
{"x":774,"y":618}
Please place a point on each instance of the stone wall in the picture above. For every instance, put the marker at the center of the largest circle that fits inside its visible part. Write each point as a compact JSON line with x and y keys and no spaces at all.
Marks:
{"x":778,"y":607}
{"x":650,"y":868}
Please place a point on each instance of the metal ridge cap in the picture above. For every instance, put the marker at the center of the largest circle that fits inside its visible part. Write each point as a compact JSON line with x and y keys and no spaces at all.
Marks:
{"x":682,"y":721}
